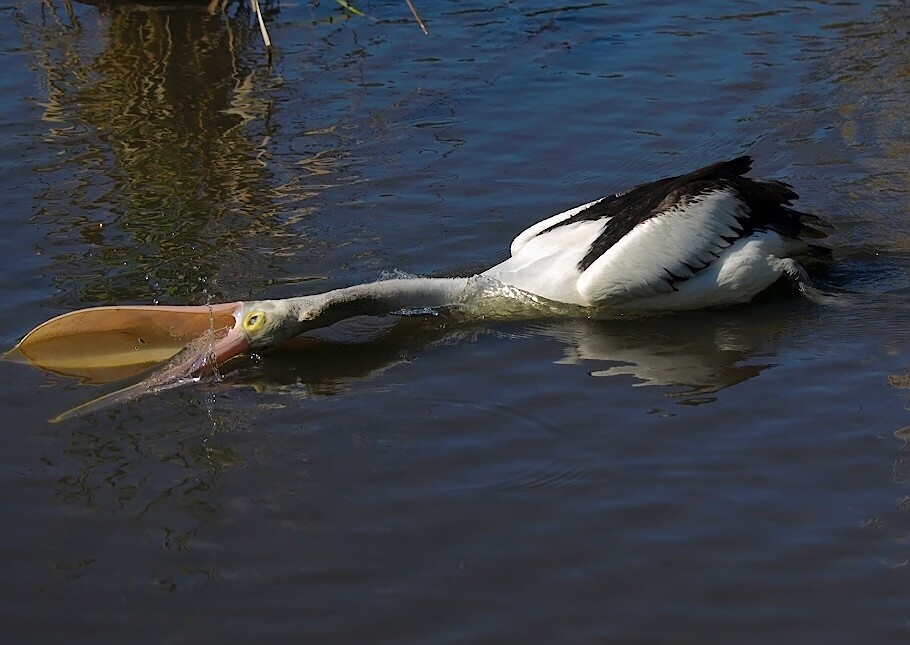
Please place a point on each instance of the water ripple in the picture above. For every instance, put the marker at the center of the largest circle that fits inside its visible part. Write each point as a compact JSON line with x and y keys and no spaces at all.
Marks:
{"x":516,"y":450}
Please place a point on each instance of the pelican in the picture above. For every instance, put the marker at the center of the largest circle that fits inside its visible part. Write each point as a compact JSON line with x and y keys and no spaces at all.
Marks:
{"x":709,"y":238}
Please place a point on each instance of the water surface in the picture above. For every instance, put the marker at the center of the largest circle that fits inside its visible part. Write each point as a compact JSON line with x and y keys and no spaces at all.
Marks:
{"x":738,"y":474}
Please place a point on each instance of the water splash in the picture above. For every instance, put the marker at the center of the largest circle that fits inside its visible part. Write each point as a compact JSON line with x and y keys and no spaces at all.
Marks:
{"x":184,"y":368}
{"x":486,"y":298}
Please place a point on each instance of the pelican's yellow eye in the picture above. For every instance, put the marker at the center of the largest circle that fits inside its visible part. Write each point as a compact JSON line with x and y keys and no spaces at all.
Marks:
{"x":254,"y":320}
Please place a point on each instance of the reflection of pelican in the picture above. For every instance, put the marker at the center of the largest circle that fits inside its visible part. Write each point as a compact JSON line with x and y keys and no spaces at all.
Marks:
{"x":707,"y":238}
{"x":696,"y":354}
{"x":701,"y":354}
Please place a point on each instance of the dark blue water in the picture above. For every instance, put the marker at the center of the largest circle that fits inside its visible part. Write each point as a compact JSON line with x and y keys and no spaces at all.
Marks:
{"x":731,"y":475}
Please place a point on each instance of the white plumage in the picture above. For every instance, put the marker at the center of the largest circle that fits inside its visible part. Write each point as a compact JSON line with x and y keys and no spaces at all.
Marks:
{"x":708,"y":238}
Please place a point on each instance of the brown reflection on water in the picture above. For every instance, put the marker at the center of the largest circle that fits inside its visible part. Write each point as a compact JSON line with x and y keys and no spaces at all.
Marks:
{"x":867,"y":65}
{"x":872,"y":79}
{"x":159,"y":181}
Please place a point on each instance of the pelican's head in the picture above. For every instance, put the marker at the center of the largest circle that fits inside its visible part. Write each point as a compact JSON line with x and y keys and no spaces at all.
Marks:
{"x":266,"y":323}
{"x":101,"y":344}
{"x":258,"y":325}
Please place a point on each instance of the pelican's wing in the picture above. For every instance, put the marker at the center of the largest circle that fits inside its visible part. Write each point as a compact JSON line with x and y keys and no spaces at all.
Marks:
{"x":645,"y":241}
{"x":671,"y":245}
{"x":661,"y":233}
{"x":534,"y":230}
{"x":634,"y":205}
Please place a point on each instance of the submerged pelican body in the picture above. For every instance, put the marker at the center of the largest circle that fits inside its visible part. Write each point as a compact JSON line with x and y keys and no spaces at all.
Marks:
{"x":708,"y":238}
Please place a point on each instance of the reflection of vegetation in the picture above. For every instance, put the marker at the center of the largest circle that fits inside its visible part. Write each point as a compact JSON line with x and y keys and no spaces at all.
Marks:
{"x":163,"y":174}
{"x":881,"y":79}
{"x":161,"y":131}
{"x":872,"y":78}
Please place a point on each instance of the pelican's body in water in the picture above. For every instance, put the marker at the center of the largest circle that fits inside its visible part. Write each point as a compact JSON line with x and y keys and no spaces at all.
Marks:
{"x":708,"y":238}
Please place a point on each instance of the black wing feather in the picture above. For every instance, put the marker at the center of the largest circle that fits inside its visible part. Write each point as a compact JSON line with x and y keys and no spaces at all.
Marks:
{"x":766,"y":205}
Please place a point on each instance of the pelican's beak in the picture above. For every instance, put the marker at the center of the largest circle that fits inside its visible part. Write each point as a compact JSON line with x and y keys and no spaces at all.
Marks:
{"x":103,"y":344}
{"x":234,"y":343}
{"x":201,"y":356}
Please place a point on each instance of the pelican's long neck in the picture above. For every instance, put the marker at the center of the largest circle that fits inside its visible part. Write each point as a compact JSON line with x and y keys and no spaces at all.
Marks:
{"x":377,"y":298}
